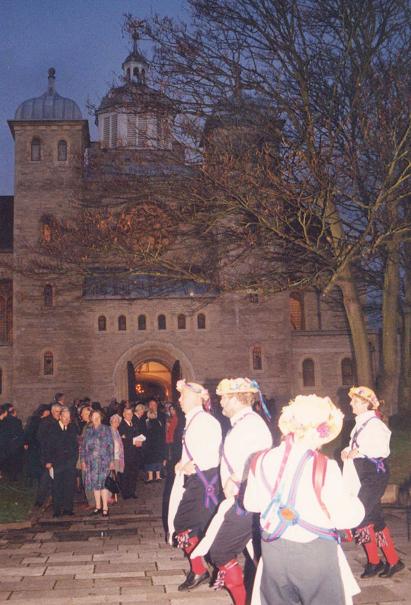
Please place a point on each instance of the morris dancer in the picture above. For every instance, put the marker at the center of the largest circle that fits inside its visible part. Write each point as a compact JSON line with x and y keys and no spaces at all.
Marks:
{"x":302,"y":499}
{"x":368,"y":450}
{"x":199,"y":469}
{"x":231,"y":528}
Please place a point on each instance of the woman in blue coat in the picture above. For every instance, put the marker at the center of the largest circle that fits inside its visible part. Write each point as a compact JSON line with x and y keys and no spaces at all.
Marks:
{"x":97,"y":460}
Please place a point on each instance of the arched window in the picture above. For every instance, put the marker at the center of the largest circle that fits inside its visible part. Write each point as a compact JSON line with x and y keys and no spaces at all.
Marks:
{"x":135,"y":72}
{"x":102,"y":323}
{"x":46,"y":229}
{"x":122,"y":323}
{"x":48,"y":295}
{"x":162,"y":324}
{"x":296,"y":306}
{"x":308,"y":373}
{"x":128,"y":73}
{"x":35,"y":150}
{"x":142,"y":322}
{"x":62,"y":151}
{"x":181,"y":322}
{"x":253,"y":298}
{"x":48,"y":364}
{"x":257,"y":358}
{"x":347,"y":373}
{"x":201,"y":321}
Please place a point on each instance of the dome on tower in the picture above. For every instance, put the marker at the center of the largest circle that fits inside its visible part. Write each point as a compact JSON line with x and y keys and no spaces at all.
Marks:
{"x":49,"y":106}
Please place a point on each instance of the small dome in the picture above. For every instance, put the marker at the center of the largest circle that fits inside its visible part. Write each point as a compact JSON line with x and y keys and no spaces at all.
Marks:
{"x":49,"y":106}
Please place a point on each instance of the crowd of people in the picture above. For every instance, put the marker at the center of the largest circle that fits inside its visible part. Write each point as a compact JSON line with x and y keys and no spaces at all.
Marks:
{"x":87,"y":448}
{"x":221,"y":478}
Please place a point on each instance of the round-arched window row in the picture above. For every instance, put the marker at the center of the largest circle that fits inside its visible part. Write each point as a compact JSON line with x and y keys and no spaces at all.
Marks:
{"x":141,"y":319}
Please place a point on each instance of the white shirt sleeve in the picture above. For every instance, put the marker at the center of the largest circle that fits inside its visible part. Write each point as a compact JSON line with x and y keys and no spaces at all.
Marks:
{"x":247,"y":437}
{"x":345,"y":509}
{"x":374,"y":440}
{"x":203,"y":439}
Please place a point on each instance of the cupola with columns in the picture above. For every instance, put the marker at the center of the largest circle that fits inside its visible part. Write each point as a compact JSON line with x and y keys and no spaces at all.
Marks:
{"x":134,"y":115}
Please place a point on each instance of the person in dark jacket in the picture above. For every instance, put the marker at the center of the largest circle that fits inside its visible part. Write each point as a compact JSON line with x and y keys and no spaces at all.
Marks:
{"x":43,"y":432}
{"x":31,"y":443}
{"x":155,"y":457}
{"x":129,"y":431}
{"x":61,"y":455}
{"x":14,"y":442}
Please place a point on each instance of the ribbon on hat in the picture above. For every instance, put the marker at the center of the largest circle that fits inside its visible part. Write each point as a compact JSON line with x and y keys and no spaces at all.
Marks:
{"x":198,"y":389}
{"x":264,"y":406}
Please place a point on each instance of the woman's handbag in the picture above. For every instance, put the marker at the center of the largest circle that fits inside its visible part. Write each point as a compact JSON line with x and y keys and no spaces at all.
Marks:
{"x":111,"y":483}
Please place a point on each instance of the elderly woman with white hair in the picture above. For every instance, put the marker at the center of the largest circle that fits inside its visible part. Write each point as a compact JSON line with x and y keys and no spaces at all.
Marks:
{"x":118,"y":461}
{"x":302,"y":501}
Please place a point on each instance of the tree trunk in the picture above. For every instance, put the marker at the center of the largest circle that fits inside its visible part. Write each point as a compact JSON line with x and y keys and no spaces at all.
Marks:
{"x":357,"y":323}
{"x":405,"y":377}
{"x":388,"y":379}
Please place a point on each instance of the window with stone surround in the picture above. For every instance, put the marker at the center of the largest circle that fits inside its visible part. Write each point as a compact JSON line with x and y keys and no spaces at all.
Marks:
{"x":102,"y":323}
{"x":201,"y":321}
{"x":181,"y":321}
{"x":122,"y":323}
{"x":308,"y":373}
{"x":257,"y":358}
{"x":296,"y":309}
{"x":162,"y":322}
{"x":48,"y":295}
{"x":6,"y":314}
{"x":35,"y":152}
{"x":62,"y":151}
{"x":142,"y":322}
{"x":48,"y":363}
{"x":347,"y":372}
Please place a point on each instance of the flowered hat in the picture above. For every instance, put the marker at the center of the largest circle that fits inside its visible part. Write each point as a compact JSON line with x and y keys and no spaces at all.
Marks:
{"x":366,"y":394}
{"x":197,"y":388}
{"x":229,"y":386}
{"x":311,"y":414}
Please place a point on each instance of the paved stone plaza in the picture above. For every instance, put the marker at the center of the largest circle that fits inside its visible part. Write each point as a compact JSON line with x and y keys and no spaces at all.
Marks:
{"x":83,"y":560}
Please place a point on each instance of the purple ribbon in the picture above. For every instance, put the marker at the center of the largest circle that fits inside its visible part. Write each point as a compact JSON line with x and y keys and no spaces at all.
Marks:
{"x":209,"y":489}
{"x":379,"y":463}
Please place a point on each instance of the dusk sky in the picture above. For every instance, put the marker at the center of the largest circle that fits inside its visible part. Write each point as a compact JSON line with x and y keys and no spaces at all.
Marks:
{"x":82,"y":39}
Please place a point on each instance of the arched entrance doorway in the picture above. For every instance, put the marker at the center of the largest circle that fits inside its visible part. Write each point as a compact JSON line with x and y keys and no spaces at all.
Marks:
{"x":151,"y":370}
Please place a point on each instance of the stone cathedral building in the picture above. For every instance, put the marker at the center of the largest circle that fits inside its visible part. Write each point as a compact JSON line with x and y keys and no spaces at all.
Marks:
{"x":107,"y":338}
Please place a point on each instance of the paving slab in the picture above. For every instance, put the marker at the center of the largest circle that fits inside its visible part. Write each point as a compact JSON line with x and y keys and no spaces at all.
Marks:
{"x":125,"y":559}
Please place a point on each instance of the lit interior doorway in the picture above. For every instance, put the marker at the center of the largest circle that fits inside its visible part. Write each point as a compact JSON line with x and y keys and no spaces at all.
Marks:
{"x":152,"y":379}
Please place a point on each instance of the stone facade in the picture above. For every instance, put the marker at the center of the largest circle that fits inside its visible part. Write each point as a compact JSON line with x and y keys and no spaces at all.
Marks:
{"x":56,"y":344}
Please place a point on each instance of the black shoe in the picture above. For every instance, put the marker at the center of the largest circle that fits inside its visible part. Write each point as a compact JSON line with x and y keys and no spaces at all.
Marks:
{"x":193,"y":580}
{"x":371,"y":569}
{"x":390,"y":570}
{"x":68,"y":513}
{"x":104,"y":513}
{"x":96,"y":512}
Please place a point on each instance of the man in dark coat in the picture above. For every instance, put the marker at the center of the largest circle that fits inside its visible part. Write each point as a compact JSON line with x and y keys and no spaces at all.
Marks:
{"x":61,"y":455}
{"x":13,"y":436}
{"x":45,"y":425}
{"x":129,"y":430}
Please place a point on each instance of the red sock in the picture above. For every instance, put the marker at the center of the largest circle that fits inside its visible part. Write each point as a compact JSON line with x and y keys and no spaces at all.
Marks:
{"x":386,"y":543}
{"x":197,"y":564}
{"x":234,"y":581}
{"x":371,"y":547}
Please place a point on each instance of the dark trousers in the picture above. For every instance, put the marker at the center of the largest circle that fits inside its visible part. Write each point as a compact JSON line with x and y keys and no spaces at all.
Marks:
{"x":44,"y":487}
{"x":128,"y":479}
{"x":232,"y":537}
{"x":372,"y":489}
{"x":195,"y":509}
{"x":63,"y":488}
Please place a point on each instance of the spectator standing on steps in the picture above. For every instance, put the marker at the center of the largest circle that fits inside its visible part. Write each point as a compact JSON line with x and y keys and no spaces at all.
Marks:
{"x":61,"y":455}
